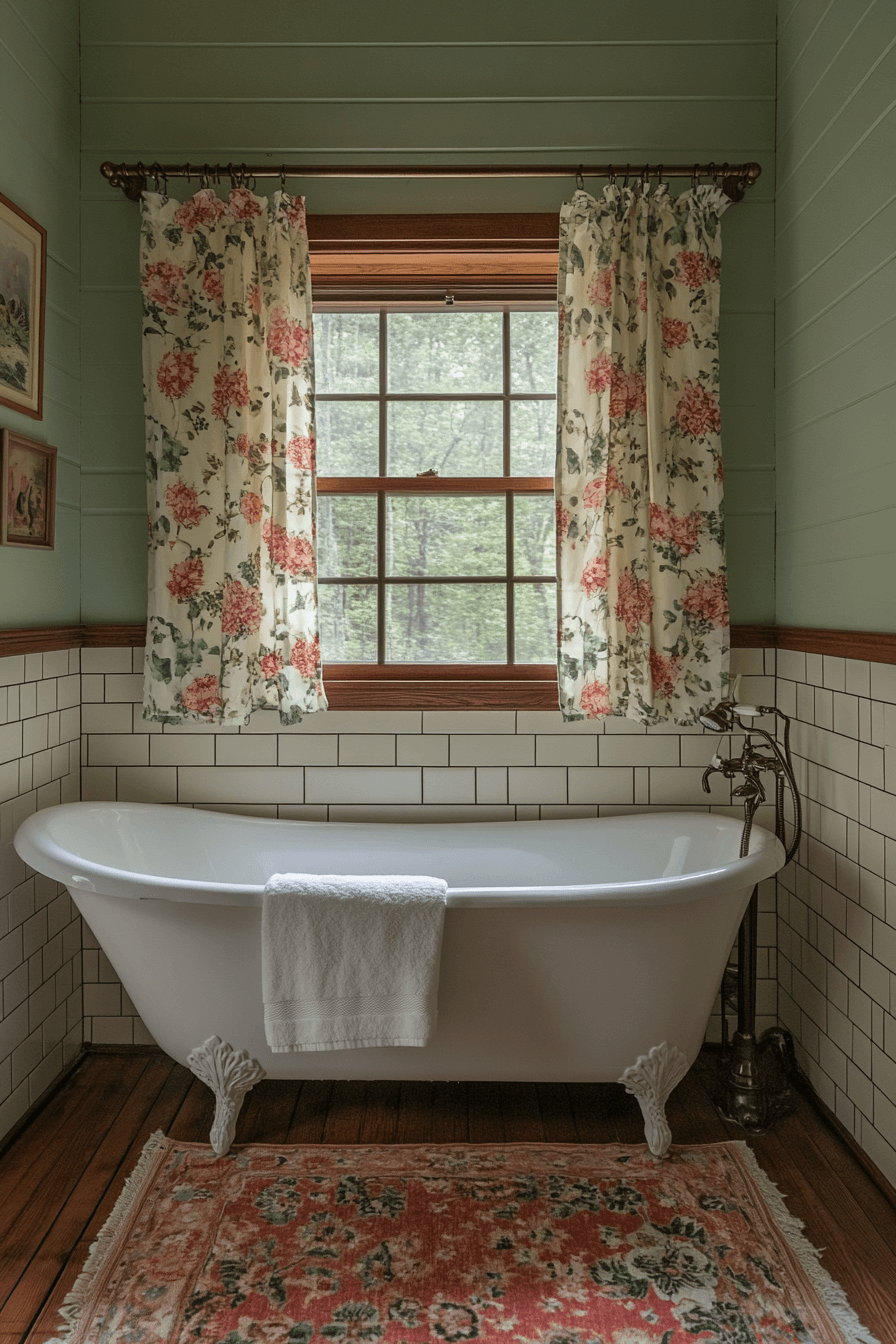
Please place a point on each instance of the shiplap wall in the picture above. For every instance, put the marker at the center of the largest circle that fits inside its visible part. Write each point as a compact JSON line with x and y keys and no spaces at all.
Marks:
{"x":39,"y":114}
{"x":836,"y":315}
{"x":479,"y":81}
{"x":836,"y":393}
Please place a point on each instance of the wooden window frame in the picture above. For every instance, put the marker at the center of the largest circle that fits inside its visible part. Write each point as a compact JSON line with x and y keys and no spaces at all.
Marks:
{"x":416,"y":260}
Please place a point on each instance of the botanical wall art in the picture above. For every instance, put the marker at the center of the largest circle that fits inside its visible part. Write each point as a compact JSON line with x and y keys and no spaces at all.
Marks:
{"x":23,"y":271}
{"x":29,"y":493}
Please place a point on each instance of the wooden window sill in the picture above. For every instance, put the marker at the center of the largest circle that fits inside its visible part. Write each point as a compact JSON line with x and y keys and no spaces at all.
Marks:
{"x":440,"y":686}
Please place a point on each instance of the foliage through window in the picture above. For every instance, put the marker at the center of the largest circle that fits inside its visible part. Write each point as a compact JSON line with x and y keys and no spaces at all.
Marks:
{"x":436,"y":436}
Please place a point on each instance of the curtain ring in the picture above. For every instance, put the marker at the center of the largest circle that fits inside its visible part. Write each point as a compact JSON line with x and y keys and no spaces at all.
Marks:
{"x":283,"y":177}
{"x":695,"y":177}
{"x":580,"y":181}
{"x":659,"y":177}
{"x":204,"y":178}
{"x":250,"y":178}
{"x":611,"y":177}
{"x":627,"y":171}
{"x":645,"y":177}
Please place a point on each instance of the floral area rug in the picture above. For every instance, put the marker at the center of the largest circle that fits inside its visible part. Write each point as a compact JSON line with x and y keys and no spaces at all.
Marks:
{"x":565,"y":1244}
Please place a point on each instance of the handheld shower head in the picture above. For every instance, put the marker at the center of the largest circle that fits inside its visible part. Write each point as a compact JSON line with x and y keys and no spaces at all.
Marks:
{"x":720,"y":719}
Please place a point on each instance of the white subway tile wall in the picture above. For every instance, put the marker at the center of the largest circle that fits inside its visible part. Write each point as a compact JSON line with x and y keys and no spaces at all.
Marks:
{"x":836,"y":933}
{"x":407,"y":765}
{"x":436,"y":765}
{"x":40,"y":931}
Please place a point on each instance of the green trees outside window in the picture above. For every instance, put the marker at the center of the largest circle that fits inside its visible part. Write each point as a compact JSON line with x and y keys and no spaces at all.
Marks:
{"x":409,"y":402}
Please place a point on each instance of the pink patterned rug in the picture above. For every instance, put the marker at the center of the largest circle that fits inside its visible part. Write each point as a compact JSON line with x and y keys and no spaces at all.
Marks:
{"x":559,"y":1244}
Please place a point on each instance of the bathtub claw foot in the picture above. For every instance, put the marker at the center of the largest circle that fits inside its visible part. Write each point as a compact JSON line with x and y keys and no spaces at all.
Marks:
{"x":650,"y":1080}
{"x":230,"y":1074}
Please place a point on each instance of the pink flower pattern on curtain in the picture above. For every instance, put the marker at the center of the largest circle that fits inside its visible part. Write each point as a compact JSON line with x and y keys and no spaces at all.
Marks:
{"x":229,"y":399}
{"x":643,"y":627}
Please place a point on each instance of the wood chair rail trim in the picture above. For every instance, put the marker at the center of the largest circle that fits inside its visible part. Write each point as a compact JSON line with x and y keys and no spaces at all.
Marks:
{"x":392,"y":685}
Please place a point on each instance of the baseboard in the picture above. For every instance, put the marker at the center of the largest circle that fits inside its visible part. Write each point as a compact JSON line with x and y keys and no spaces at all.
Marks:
{"x":97,"y":1048}
{"x":43,"y":1100}
{"x":801,"y":1082}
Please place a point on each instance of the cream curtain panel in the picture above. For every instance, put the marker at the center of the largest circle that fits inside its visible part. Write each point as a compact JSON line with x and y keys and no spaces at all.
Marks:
{"x":229,"y":399}
{"x":643,"y":626}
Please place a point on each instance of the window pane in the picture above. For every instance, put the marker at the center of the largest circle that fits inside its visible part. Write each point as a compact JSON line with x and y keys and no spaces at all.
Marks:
{"x":348,"y":438}
{"x":533,"y":438}
{"x":445,"y":352}
{"x":347,"y":622}
{"x":457,"y":438}
{"x":534,"y":549}
{"x":346,"y":352}
{"x":445,"y":534}
{"x":346,"y":536}
{"x":535,"y":622}
{"x":446,"y":623}
{"x":533,"y":352}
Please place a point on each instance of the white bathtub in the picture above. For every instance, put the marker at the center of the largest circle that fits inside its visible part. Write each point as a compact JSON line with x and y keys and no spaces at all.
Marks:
{"x":573,"y":950}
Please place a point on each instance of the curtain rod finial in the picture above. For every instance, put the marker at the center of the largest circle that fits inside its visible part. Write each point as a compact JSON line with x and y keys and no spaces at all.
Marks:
{"x":737,"y":185}
{"x":131,"y":181}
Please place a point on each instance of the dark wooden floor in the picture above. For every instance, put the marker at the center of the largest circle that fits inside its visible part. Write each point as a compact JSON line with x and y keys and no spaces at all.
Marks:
{"x":60,"y":1178}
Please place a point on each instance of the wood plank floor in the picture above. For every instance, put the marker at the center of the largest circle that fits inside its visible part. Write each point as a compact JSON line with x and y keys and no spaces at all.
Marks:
{"x":60,"y":1178}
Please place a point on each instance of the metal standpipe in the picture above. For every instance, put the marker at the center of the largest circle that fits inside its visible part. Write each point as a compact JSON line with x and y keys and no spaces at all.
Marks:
{"x":753,"y":1087}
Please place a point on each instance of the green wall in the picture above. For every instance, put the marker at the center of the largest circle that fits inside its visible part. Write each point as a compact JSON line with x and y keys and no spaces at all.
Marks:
{"x":836,"y":315}
{"x":39,"y":173}
{"x":480,"y":80}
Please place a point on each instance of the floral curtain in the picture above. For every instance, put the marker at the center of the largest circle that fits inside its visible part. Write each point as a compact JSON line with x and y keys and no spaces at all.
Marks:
{"x":229,"y":399}
{"x":642,"y":595}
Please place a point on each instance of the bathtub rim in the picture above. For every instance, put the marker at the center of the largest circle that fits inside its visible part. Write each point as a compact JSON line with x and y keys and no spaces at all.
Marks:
{"x":32,"y":842}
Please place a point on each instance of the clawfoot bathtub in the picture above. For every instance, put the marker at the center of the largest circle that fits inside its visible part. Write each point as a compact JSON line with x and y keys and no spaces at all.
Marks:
{"x":573,"y":950}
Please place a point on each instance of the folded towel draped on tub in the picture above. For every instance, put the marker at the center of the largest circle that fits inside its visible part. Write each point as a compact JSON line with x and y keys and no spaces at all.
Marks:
{"x":350,"y":961}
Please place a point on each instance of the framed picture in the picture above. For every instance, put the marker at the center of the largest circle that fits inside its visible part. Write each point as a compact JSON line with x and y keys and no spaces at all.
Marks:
{"x":23,"y":285}
{"x":29,"y":493}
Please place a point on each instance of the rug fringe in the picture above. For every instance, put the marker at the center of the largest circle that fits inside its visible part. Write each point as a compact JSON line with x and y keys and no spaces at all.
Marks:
{"x":809,"y":1256}
{"x":76,"y":1299}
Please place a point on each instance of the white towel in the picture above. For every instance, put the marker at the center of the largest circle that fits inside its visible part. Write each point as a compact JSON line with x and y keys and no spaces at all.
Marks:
{"x":350,"y":961}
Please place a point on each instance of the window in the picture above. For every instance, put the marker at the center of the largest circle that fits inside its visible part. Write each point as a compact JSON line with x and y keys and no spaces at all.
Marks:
{"x":436,"y":428}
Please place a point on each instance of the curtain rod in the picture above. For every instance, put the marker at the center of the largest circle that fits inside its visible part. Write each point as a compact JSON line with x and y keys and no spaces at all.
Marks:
{"x":132,"y":178}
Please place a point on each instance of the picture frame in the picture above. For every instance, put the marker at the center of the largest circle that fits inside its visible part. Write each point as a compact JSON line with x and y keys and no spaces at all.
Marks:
{"x":23,"y":293}
{"x":28,"y":506}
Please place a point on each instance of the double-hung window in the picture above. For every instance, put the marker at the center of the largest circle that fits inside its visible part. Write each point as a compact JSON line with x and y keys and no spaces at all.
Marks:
{"x":436,"y":432}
